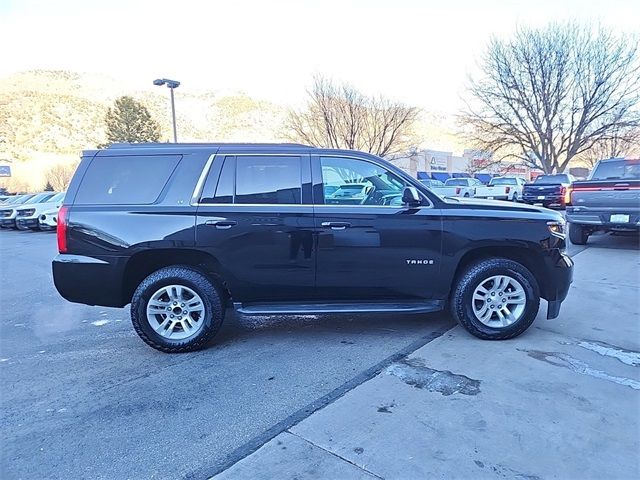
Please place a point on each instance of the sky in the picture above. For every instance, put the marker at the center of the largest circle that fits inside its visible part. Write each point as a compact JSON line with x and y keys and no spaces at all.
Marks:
{"x":418,"y":52}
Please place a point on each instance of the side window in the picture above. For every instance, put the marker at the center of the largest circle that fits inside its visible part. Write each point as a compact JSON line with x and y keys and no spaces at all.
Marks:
{"x":268,"y":179}
{"x":126,"y":180}
{"x":226,"y":184}
{"x":350,"y":181}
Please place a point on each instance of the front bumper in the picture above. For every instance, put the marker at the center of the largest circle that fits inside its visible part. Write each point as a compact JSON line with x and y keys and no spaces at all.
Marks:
{"x":26,"y":222}
{"x":8,"y":223}
{"x":90,"y":280}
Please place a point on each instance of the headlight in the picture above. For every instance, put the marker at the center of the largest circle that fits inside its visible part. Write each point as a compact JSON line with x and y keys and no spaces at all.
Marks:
{"x":557,"y":228}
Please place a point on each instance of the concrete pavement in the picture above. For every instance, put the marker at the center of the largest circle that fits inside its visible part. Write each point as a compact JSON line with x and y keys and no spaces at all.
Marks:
{"x":561,"y":401}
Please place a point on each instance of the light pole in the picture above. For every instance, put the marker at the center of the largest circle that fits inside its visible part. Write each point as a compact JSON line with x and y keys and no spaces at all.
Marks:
{"x":171,"y":84}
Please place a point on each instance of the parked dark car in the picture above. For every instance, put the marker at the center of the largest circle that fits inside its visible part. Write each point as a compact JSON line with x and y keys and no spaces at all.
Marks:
{"x":608,"y":201}
{"x":181,"y":231}
{"x":548,"y":190}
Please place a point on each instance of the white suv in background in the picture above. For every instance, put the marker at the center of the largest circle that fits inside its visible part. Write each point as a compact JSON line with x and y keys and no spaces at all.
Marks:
{"x":27,"y":216}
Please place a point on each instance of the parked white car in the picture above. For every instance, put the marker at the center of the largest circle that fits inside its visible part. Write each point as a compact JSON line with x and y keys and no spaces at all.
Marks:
{"x":8,"y":214}
{"x":502,"y":188}
{"x":27,"y":216}
{"x":459,"y":187}
{"x":48,"y":220}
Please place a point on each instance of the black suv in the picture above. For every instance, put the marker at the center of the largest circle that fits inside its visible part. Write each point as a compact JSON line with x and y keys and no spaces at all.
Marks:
{"x":181,"y":231}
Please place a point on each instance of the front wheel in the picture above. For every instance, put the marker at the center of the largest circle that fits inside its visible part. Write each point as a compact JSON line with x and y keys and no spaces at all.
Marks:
{"x":496,"y":299}
{"x":515,"y":198}
{"x":177,"y":309}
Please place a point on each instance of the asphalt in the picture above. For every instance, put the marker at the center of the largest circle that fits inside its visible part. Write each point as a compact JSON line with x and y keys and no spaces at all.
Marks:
{"x":83,"y":397}
{"x":561,"y":401}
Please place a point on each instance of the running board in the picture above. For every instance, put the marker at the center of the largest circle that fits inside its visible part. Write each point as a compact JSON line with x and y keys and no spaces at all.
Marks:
{"x":425,"y":306}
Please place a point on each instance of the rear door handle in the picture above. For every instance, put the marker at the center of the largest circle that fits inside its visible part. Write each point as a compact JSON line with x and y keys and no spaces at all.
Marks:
{"x":221,"y":224}
{"x":336,"y":225}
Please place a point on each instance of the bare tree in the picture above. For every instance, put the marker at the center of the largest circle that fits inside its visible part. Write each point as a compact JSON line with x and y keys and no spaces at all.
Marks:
{"x":548,"y":95}
{"x":338,"y":116}
{"x":59,"y":176}
{"x":621,"y":143}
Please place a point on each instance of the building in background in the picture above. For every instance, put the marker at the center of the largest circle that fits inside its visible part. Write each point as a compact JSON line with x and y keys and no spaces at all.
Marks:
{"x":442,"y":165}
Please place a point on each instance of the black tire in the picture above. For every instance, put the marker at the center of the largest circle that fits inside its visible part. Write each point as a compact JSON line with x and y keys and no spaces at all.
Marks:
{"x":466,"y":195}
{"x":193,"y":279}
{"x":474,"y":275}
{"x":578,"y":234}
{"x":515,"y":198}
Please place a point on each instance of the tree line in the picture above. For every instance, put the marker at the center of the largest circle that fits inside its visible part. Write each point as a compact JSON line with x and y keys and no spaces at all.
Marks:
{"x":544,"y":98}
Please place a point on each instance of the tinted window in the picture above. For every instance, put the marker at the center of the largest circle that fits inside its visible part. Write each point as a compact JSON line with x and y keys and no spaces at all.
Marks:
{"x":268,"y":179}
{"x":358,"y":182}
{"x":552,"y":179}
{"x":617,"y":170}
{"x":128,"y":180}
{"x":225,"y":187}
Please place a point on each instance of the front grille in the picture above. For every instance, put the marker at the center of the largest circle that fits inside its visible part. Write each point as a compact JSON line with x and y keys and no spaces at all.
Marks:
{"x":6,"y":213}
{"x":26,"y":213}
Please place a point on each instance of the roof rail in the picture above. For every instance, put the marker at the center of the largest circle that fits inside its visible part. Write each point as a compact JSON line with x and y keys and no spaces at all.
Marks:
{"x":205,"y":144}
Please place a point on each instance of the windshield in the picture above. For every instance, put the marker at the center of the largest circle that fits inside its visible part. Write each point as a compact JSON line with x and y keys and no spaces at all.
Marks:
{"x":40,"y":197}
{"x":456,"y":182}
{"x":22,"y":199}
{"x":58,"y":197}
{"x":552,"y":179}
{"x":502,"y":181}
{"x":617,"y":170}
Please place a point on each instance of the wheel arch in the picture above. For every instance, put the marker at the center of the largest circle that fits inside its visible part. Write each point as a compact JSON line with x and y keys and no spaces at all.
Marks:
{"x":528,"y":258}
{"x":144,"y":263}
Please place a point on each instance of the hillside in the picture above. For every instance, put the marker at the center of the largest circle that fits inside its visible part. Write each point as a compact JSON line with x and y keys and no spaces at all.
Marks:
{"x":57,"y":114}
{"x":48,"y":117}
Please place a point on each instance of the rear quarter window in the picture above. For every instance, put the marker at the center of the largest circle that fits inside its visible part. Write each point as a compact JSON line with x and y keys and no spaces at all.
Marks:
{"x":126,"y":180}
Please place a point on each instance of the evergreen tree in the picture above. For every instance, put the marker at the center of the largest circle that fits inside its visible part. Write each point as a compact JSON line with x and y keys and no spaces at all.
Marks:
{"x":129,"y":121}
{"x":48,"y":187}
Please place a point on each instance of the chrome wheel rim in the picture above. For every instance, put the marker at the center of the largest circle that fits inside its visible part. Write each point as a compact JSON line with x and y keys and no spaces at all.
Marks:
{"x":175,"y":312}
{"x":499,"y":301}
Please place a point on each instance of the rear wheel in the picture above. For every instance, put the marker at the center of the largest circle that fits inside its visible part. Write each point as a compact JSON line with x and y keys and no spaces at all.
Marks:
{"x":177,"y":309}
{"x":578,"y":234}
{"x":496,"y":299}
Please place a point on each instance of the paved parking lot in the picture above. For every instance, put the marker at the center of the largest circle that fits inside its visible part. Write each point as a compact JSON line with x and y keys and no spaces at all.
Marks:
{"x":82,"y":396}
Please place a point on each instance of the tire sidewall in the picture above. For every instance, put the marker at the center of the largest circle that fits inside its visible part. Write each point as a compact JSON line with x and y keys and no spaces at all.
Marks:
{"x":463,"y":306}
{"x":187,"y":277}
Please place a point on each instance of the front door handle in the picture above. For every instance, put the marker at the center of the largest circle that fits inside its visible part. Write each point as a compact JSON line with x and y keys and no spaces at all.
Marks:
{"x":336,"y":225}
{"x":221,"y":224}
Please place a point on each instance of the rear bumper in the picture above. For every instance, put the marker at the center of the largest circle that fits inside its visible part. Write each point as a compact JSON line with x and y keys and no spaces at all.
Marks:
{"x":602,"y":219}
{"x":493,"y":197}
{"x":560,"y":277}
{"x":547,"y":200}
{"x":89,"y":280}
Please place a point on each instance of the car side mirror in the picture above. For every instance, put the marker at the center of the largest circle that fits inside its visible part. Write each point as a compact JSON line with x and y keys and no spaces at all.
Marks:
{"x":411,"y":197}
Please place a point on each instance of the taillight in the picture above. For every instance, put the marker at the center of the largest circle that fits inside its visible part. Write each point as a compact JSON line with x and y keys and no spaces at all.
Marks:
{"x":63,"y":221}
{"x":507,"y":190}
{"x":458,"y":191}
{"x":566,"y":195}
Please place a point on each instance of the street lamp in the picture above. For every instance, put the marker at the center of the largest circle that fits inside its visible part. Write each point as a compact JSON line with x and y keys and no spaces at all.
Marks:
{"x":171,"y":84}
